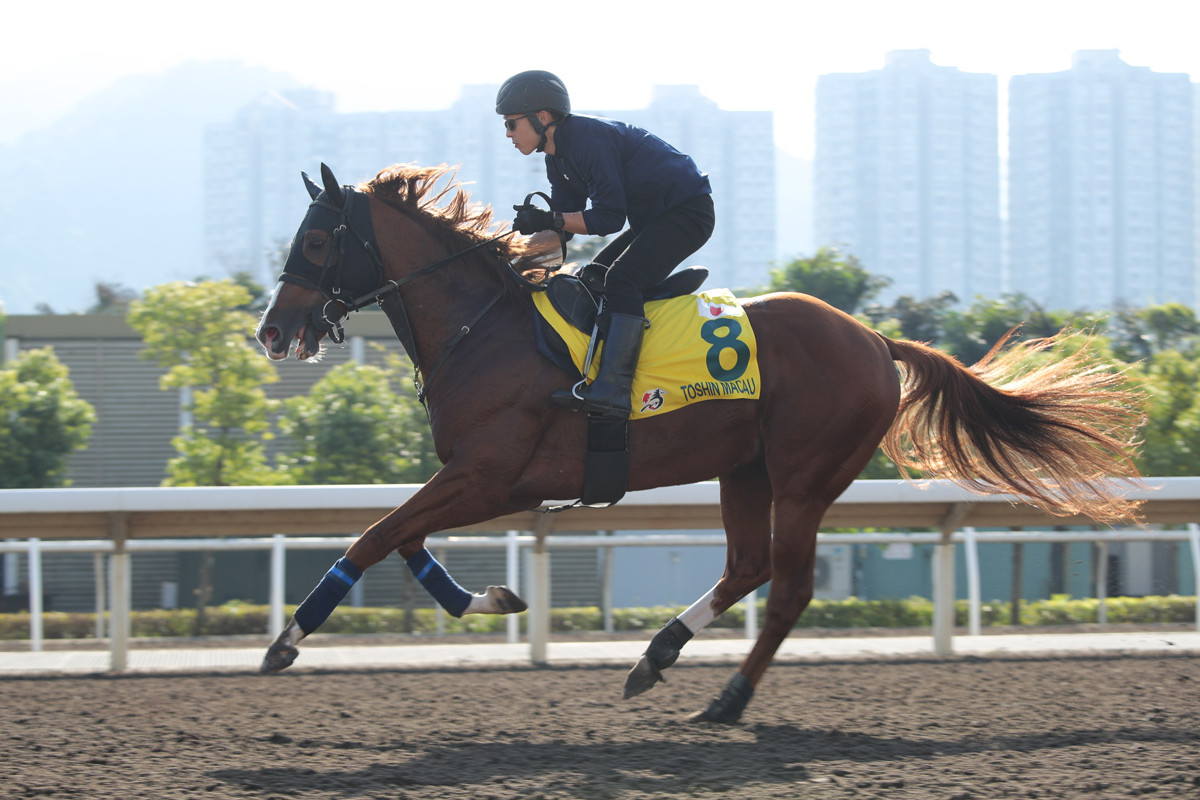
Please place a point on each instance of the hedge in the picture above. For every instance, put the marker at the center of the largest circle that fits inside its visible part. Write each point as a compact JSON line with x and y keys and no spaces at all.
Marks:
{"x":236,"y":618}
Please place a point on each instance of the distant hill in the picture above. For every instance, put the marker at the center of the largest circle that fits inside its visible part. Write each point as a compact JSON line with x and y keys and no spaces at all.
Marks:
{"x":113,"y":191}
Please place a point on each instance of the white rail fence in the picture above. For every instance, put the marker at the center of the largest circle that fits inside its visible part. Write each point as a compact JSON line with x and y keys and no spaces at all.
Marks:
{"x":537,"y":568}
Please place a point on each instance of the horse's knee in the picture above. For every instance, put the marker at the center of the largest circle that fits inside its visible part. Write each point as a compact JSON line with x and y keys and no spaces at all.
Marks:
{"x":410,"y":549}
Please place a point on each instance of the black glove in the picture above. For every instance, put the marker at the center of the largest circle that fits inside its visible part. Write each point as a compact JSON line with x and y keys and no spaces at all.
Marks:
{"x":531,"y":219}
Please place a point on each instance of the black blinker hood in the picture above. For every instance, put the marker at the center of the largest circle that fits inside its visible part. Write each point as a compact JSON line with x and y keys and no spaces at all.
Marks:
{"x":353,"y":266}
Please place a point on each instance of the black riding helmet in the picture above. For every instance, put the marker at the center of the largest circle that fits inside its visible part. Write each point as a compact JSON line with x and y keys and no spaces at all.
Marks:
{"x":530,"y":92}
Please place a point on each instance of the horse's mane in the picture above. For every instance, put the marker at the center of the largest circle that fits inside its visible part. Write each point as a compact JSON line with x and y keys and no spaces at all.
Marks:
{"x":459,"y":223}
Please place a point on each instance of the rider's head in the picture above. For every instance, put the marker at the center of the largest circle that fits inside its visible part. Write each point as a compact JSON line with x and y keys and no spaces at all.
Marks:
{"x":531,"y":103}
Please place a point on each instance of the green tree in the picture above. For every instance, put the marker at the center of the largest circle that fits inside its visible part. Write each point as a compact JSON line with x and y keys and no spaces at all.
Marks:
{"x":1171,"y":436}
{"x":836,"y":278}
{"x":918,"y":320}
{"x":42,"y":419}
{"x":353,"y":427}
{"x":198,"y":331}
{"x":969,"y":334}
{"x":1139,"y":333}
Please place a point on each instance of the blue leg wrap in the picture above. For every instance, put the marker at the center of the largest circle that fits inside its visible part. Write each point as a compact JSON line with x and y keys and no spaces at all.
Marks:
{"x":437,"y":582}
{"x":332,"y":590}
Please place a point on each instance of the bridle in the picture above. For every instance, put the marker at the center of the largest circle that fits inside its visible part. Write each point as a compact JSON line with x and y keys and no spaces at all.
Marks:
{"x":333,"y":278}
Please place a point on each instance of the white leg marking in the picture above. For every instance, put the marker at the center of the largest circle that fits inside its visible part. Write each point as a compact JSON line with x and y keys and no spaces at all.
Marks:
{"x":699,"y":613}
{"x":482,"y":604}
{"x":293,"y":633}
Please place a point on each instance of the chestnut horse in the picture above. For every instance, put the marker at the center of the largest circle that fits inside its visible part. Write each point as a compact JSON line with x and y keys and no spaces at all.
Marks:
{"x":1049,"y":428}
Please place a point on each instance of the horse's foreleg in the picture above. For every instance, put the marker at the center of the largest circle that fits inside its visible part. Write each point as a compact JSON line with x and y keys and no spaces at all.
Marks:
{"x":309,"y":615}
{"x":457,"y":601}
{"x":452,"y":498}
{"x":746,"y":514}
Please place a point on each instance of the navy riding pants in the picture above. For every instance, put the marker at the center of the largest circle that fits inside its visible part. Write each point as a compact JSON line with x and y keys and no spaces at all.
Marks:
{"x":638,"y":261}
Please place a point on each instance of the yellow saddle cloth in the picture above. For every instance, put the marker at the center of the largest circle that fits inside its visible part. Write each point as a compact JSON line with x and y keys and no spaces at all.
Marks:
{"x":699,"y":347}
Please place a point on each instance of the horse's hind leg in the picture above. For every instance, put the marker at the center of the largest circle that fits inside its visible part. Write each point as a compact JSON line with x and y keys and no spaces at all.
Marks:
{"x":793,"y":556}
{"x":746,"y":515}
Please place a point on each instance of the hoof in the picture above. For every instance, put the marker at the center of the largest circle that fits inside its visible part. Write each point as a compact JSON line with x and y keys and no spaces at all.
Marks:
{"x":496,"y":600}
{"x":283,"y":650}
{"x":506,"y":600}
{"x":642,"y":677}
{"x":279,"y":656}
{"x":728,"y":707}
{"x":663,"y":652}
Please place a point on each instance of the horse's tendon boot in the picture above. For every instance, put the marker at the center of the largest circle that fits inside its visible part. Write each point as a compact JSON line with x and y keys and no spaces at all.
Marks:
{"x":663,"y":652}
{"x":283,"y":650}
{"x":727,"y":708}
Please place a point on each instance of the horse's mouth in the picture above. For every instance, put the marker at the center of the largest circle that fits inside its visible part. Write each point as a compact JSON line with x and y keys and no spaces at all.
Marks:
{"x":308,"y":343}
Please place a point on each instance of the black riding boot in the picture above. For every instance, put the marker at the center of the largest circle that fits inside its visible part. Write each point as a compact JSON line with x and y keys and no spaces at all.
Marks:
{"x":609,"y":393}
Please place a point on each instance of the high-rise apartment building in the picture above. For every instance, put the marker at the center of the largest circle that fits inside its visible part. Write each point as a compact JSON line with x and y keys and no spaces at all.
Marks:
{"x":907,"y":176}
{"x":254,"y":200}
{"x":1102,"y":185}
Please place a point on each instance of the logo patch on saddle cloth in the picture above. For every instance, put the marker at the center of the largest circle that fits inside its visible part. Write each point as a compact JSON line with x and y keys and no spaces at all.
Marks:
{"x":699,"y":347}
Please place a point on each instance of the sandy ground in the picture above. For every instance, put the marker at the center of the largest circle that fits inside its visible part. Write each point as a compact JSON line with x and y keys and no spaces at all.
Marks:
{"x":1094,"y":727}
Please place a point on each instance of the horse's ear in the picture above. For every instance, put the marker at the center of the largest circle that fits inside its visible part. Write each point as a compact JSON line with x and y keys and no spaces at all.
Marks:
{"x":333,"y":192}
{"x":311,"y":185}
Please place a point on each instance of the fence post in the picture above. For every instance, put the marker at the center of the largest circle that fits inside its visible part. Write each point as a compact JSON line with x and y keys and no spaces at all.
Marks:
{"x":101,"y":600}
{"x":12,"y":571}
{"x":1102,"y":582}
{"x":439,"y":613}
{"x":943,"y":597}
{"x":275,"y":621}
{"x":973,"y":592}
{"x":119,"y":593}
{"x":606,"y":594}
{"x":539,"y":583}
{"x":1194,"y":535}
{"x":35,"y":595}
{"x":512,"y":565}
{"x":752,"y":614}
{"x":943,"y":580}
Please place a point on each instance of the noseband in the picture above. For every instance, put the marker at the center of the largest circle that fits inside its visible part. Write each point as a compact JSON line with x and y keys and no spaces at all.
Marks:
{"x":333,"y":278}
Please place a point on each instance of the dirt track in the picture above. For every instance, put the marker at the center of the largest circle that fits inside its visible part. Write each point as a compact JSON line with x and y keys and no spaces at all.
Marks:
{"x":1075,"y":727}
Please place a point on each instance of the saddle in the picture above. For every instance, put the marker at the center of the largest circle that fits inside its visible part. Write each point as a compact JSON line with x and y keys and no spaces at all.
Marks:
{"x":576,"y":296}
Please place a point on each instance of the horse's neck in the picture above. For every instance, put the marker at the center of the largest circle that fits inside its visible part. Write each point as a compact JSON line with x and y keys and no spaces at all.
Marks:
{"x":439,"y":305}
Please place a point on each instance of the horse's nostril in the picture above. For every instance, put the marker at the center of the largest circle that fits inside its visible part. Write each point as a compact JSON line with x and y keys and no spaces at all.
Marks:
{"x":273,"y":339}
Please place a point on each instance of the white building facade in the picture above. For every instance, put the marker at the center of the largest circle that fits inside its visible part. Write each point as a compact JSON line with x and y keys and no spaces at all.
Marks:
{"x":254,"y":199}
{"x":1102,"y":185}
{"x":906,"y":175}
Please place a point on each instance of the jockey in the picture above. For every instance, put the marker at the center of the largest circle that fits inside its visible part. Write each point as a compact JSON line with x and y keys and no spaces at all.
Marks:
{"x":627,"y":174}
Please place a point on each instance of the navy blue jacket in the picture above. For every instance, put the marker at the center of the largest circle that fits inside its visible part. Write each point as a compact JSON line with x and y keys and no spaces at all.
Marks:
{"x":625,"y":171}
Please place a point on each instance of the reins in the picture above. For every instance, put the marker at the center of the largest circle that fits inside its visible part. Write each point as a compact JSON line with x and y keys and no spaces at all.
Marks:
{"x":328,"y":318}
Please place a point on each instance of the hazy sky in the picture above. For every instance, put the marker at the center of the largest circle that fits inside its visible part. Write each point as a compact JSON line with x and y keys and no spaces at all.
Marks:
{"x":403,"y":55}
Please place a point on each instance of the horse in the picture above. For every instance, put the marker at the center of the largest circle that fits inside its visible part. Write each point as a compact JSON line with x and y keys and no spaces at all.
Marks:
{"x":1043,"y":419}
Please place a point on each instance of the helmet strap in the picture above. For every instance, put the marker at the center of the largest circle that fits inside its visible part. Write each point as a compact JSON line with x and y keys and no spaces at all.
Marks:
{"x":541,"y":129}
{"x":538,"y":128}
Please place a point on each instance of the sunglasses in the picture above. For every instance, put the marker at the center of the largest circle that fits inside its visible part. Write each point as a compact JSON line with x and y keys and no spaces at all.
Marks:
{"x":511,"y":124}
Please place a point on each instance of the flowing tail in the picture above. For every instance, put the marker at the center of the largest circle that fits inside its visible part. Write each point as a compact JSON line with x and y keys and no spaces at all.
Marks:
{"x":1029,"y":421}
